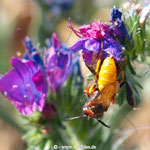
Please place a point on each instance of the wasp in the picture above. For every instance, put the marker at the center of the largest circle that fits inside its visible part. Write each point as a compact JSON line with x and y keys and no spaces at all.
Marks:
{"x":104,"y":88}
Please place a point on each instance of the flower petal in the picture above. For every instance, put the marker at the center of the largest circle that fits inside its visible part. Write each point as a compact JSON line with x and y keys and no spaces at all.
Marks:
{"x":59,"y":64}
{"x":112,"y":47}
{"x":40,"y":81}
{"x":92,"y":45}
{"x":115,"y":14}
{"x":87,"y":56}
{"x":79,"y":44}
{"x":55,"y":41}
{"x":17,"y":86}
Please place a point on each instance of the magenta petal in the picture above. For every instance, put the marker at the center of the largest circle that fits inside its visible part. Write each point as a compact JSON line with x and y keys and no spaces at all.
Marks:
{"x":56,"y":78}
{"x":40,"y":81}
{"x":84,"y":28}
{"x":55,"y":41}
{"x":17,"y":86}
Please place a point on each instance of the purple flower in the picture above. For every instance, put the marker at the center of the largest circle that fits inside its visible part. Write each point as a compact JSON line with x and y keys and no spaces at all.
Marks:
{"x":19,"y":87}
{"x":58,"y":61}
{"x":89,"y":46}
{"x":96,"y":30}
{"x":118,"y":29}
{"x":97,"y":37}
{"x":115,"y":14}
{"x":32,"y":54}
{"x":112,"y":48}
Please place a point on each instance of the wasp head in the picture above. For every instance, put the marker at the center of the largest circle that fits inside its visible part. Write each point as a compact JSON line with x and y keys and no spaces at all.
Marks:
{"x":95,"y":111}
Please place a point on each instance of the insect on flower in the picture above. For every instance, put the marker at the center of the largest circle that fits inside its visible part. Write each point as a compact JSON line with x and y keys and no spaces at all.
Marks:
{"x":104,"y":56}
{"x":103,"y":90}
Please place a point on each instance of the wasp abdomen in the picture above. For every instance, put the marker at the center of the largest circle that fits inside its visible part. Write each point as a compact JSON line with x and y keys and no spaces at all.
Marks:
{"x":107,"y":73}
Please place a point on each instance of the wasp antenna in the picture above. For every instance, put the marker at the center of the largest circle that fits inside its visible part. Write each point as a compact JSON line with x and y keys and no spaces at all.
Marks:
{"x":75,"y":118}
{"x":100,"y":121}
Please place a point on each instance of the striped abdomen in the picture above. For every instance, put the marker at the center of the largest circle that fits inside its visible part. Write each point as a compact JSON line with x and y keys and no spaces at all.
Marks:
{"x":107,"y":73}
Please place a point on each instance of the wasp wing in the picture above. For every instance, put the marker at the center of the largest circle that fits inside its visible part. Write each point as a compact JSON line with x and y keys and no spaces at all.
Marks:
{"x":121,"y":65}
{"x":106,"y":96}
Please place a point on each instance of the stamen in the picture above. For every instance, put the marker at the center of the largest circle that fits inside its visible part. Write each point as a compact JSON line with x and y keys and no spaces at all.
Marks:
{"x":5,"y":93}
{"x":71,"y":27}
{"x":15,"y":86}
{"x":28,"y":85}
{"x":25,"y":96}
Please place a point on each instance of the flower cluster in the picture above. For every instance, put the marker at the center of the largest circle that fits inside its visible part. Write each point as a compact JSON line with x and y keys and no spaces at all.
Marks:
{"x":26,"y":84}
{"x":98,"y":37}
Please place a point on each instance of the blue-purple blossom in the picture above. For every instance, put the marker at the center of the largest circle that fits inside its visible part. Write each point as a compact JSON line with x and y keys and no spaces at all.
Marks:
{"x":109,"y":46}
{"x":118,"y":29}
{"x":115,"y":14}
{"x":19,"y":87}
{"x":32,"y":53}
{"x":58,"y":62}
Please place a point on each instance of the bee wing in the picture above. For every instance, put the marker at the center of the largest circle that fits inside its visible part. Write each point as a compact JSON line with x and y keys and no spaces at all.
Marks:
{"x":107,"y":95}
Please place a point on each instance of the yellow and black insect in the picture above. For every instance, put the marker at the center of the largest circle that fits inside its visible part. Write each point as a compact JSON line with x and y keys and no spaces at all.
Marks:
{"x":103,"y":90}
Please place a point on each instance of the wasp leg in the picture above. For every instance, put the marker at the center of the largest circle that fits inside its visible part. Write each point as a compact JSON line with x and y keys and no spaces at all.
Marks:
{"x":75,"y":118}
{"x":92,"y":89}
{"x":113,"y":100}
{"x":129,"y":95}
{"x":122,"y":77}
{"x":100,"y":121}
{"x":117,"y":88}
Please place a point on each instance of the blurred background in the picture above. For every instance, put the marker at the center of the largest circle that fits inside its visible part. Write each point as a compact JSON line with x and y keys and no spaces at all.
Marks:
{"x":39,"y":19}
